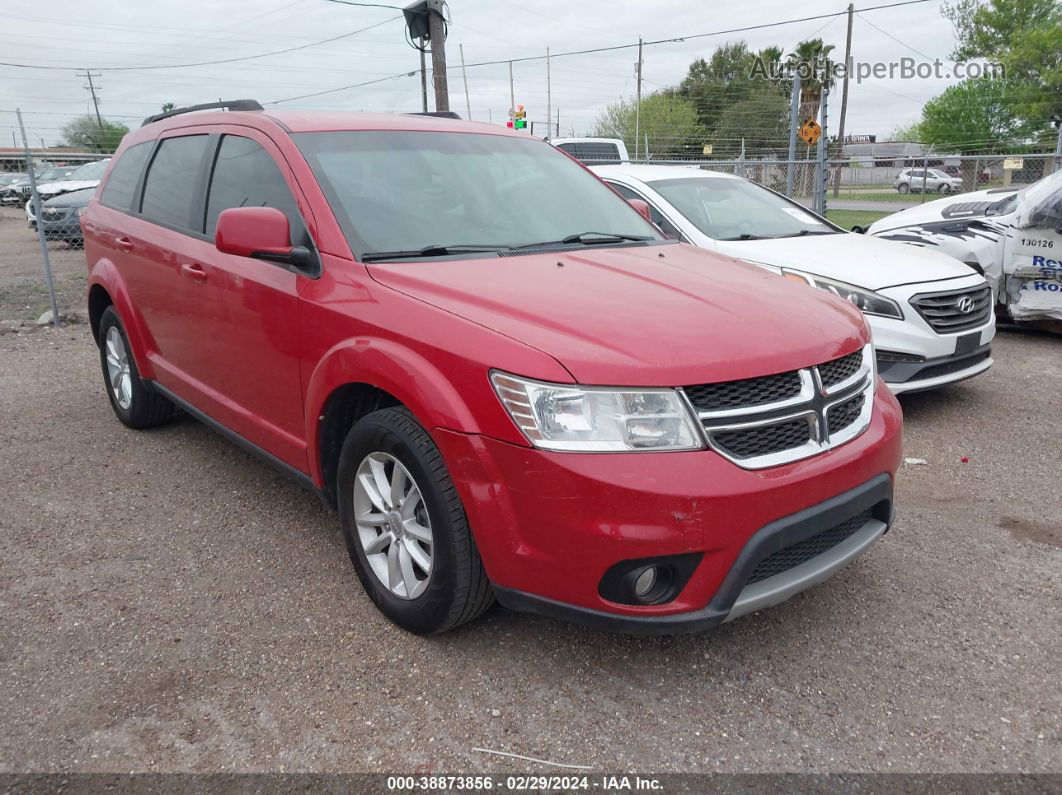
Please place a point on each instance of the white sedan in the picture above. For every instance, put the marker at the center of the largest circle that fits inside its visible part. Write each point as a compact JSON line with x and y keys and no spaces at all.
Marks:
{"x":931,"y":315}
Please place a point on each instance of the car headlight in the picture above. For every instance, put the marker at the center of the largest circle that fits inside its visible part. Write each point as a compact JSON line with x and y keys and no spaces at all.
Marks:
{"x":574,"y":418}
{"x":868,"y":301}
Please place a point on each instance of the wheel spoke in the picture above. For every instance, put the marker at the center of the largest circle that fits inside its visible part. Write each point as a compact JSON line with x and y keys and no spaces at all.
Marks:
{"x":368,"y":485}
{"x":378,"y":544}
{"x":116,"y":380}
{"x":409,"y":507}
{"x":394,"y":568}
{"x":373,"y":519}
{"x":418,"y":555}
{"x":398,"y":484}
{"x":417,"y":530}
{"x":405,"y":563}
{"x":383,"y":487}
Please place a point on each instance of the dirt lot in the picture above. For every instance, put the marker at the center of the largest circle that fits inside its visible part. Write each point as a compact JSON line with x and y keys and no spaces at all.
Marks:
{"x":169,"y":603}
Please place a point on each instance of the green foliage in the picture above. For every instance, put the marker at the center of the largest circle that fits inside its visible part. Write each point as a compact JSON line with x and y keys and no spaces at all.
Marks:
{"x":812,"y":58}
{"x":85,"y":132}
{"x":670,"y":122}
{"x":762,"y":120}
{"x":167,"y":107}
{"x":909,"y":132}
{"x":973,"y":116}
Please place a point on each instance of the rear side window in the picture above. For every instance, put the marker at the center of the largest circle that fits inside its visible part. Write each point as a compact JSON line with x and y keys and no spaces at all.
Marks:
{"x":245,"y":175}
{"x":592,"y":151}
{"x":170,"y":188}
{"x":121,"y":184}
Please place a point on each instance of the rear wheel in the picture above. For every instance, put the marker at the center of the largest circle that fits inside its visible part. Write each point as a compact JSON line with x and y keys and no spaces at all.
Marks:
{"x":903,"y":187}
{"x":134,"y":403}
{"x":405,"y":528}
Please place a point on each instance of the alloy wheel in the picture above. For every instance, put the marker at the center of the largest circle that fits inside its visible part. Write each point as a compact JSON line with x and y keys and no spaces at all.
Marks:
{"x":119,"y":376}
{"x":393,"y":525}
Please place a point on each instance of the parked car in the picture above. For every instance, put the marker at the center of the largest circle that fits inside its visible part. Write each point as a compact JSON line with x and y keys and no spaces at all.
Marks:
{"x":911,"y":297}
{"x":86,"y":176}
{"x":593,"y":150}
{"x":524,"y":394}
{"x":983,"y":176}
{"x":1013,"y":235}
{"x":930,"y":180}
{"x":61,"y":217}
{"x":18,"y":191}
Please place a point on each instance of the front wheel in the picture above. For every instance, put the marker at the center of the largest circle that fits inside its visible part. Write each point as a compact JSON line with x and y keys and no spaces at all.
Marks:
{"x":405,"y":527}
{"x":944,"y":190}
{"x":903,"y":187}
{"x":134,"y":403}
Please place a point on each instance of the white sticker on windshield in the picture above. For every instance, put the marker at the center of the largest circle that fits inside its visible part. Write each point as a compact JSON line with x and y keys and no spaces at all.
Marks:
{"x":800,"y":215}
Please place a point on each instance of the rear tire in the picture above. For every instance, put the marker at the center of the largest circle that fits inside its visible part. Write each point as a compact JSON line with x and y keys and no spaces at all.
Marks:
{"x":133,"y":401}
{"x":903,"y":187}
{"x":442,"y":584}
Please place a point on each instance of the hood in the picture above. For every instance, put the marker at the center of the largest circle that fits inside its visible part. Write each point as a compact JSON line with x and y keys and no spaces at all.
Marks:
{"x":79,"y":198}
{"x":864,"y":261}
{"x":662,"y":315}
{"x":942,"y":209}
{"x":66,"y":186}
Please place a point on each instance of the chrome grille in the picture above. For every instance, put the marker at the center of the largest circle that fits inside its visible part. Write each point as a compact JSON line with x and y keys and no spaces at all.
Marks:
{"x":955,"y":310}
{"x":745,"y":393}
{"x":769,"y":421}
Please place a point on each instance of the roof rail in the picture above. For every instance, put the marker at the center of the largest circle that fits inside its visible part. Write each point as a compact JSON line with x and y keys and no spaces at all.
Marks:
{"x":439,"y":114}
{"x":231,"y":104}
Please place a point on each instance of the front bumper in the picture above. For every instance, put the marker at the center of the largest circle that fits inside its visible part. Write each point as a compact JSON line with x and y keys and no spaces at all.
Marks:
{"x":549,"y":526}
{"x":919,"y":374}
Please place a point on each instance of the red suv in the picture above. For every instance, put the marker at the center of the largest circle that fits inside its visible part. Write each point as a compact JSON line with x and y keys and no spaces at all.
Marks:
{"x":509,"y":383}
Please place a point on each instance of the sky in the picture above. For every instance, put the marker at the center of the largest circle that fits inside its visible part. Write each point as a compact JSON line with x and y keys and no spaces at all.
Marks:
{"x":71,"y":35}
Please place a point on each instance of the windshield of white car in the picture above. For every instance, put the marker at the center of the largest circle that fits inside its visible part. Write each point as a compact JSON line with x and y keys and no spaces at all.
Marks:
{"x":736,"y":209}
{"x":413,"y":193}
{"x":89,"y":171}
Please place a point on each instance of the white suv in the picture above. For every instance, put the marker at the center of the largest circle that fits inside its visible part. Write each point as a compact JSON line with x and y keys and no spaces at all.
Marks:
{"x":931,"y":315}
{"x":928,"y":180}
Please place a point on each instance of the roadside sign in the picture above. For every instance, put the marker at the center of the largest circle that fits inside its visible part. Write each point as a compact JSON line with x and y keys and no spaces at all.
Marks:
{"x":809,"y":132}
{"x":707,"y":149}
{"x":1014,"y":164}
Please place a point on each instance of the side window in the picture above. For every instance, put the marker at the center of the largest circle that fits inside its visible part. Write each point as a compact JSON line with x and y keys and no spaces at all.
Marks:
{"x":669,"y":229}
{"x":245,"y":175}
{"x":121,"y":184}
{"x":173,"y":176}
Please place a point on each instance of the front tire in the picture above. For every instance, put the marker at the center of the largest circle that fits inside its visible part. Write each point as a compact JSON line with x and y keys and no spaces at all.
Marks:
{"x":405,"y":528}
{"x":134,"y":403}
{"x":903,"y":187}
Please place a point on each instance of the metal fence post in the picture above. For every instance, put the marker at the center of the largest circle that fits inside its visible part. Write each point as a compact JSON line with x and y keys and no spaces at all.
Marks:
{"x":925,"y":176}
{"x":39,"y":207}
{"x":820,"y":166}
{"x":794,"y":111}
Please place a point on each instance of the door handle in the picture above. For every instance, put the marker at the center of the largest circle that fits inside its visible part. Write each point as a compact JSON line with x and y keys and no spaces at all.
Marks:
{"x":124,"y":243}
{"x":194,"y":271}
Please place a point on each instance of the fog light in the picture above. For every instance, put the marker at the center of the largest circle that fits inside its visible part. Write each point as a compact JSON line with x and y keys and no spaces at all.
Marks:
{"x":645,"y":582}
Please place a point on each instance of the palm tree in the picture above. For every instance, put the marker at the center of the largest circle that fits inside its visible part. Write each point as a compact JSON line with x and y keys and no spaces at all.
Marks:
{"x":812,"y":58}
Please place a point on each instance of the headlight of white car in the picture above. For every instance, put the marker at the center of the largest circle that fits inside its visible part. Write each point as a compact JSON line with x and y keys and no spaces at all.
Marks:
{"x":574,"y":418}
{"x":867,"y":300}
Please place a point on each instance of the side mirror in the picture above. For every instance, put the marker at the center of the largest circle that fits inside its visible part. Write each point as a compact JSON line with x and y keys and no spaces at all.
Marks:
{"x":641,"y":207}
{"x":258,"y":232}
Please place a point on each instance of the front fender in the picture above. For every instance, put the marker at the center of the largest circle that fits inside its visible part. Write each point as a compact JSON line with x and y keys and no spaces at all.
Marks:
{"x":105,"y":274}
{"x":401,"y":372}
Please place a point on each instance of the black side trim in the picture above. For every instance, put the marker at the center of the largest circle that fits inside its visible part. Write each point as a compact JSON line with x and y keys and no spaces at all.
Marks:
{"x":300,"y":477}
{"x":875,"y":495}
{"x":902,"y":372}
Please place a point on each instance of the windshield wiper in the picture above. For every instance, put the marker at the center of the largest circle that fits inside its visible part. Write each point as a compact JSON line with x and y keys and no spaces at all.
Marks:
{"x":744,"y":236}
{"x":434,"y":250}
{"x":587,"y":239}
{"x":803,"y":232}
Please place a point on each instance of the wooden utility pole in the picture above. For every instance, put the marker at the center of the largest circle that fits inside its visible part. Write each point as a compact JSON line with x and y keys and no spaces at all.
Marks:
{"x":92,"y":90}
{"x":437,"y":35}
{"x":512,"y":96}
{"x":844,"y":99}
{"x":423,"y":78}
{"x":549,"y":106}
{"x":464,"y":76}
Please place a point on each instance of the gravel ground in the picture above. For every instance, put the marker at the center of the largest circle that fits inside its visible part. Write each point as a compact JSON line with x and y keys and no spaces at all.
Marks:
{"x":168,"y":603}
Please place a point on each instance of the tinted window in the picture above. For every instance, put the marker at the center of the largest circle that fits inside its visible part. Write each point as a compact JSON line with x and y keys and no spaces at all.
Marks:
{"x":122,"y":183}
{"x":245,"y":175}
{"x":170,"y":189}
{"x":592,"y":150}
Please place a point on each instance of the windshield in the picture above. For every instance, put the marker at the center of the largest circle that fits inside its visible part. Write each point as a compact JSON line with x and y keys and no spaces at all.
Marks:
{"x":395,"y":191}
{"x":90,"y":170}
{"x":735,"y":209}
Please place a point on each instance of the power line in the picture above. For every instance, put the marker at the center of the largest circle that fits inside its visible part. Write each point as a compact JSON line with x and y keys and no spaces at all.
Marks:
{"x":209,"y":63}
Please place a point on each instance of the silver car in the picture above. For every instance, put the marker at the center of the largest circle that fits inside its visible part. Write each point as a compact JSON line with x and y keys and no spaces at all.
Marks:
{"x":917,"y":180}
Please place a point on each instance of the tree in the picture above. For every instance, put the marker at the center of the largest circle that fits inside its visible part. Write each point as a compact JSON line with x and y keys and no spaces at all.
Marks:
{"x":761,"y":121}
{"x":1026,"y":37}
{"x":909,"y":132}
{"x":167,"y":107}
{"x":975,"y":116}
{"x":811,"y":60}
{"x":669,"y":121}
{"x":85,"y":132}
{"x":729,"y":77}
